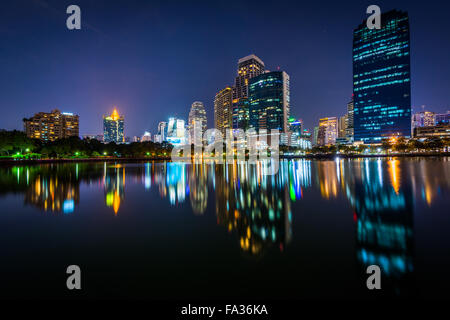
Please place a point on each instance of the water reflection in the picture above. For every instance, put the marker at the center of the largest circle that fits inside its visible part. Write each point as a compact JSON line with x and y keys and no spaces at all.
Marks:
{"x":258,"y":209}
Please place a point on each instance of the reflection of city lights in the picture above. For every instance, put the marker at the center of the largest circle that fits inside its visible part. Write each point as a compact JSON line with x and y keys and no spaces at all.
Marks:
{"x":394,"y":172}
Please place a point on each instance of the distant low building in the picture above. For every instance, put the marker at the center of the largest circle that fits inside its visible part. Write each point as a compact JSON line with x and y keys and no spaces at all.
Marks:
{"x":442,"y":118}
{"x":439,"y":131}
{"x":98,"y":137}
{"x":50,"y":126}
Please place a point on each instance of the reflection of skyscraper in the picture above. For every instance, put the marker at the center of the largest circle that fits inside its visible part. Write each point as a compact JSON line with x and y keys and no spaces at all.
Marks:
{"x":384,"y":221}
{"x":114,"y":182}
{"x":113,"y":128}
{"x":198,"y":188}
{"x":381,"y":79}
{"x":52,"y":188}
{"x":256,"y":207}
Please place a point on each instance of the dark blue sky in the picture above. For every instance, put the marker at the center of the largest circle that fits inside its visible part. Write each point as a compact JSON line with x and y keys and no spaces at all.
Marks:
{"x":152,"y":59}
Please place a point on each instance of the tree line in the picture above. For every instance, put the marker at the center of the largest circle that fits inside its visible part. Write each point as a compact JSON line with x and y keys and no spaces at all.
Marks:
{"x":14,"y":144}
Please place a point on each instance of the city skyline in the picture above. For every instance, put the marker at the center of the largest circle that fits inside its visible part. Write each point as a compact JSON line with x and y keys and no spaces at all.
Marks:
{"x":87,"y":93}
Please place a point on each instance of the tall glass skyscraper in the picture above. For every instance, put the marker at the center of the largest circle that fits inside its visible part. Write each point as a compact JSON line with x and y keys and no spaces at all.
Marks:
{"x":382,"y":79}
{"x":269,"y":100}
{"x":197,"y":122}
{"x":113,"y":128}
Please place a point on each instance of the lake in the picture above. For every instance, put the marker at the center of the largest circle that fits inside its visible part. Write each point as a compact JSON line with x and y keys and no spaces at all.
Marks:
{"x":164,"y":230}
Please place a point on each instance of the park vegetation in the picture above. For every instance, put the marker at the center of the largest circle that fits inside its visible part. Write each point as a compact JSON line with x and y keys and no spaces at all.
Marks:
{"x":15,"y":144}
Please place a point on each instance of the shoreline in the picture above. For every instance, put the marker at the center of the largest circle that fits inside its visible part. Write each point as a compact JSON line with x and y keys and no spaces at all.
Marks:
{"x":288,"y":157}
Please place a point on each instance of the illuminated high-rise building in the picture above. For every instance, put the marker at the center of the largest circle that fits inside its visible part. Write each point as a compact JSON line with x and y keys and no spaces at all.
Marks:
{"x":176,"y":132}
{"x":382,"y":79}
{"x":328,"y":131}
{"x":269,"y":100}
{"x":113,"y":128}
{"x":350,"y":121}
{"x":241,"y":114}
{"x":197,"y":122}
{"x":248,"y":67}
{"x":50,"y":126}
{"x":423,"y":119}
{"x":342,"y":126}
{"x":162,"y":131}
{"x":223,"y":111}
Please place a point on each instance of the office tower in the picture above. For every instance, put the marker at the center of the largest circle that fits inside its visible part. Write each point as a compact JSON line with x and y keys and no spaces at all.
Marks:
{"x":146,"y":137}
{"x":113,"y":128}
{"x":248,"y":67}
{"x":350,"y":122}
{"x":197,"y":122}
{"x":315,"y":137}
{"x":223,"y":110}
{"x":423,"y":119}
{"x":381,"y":79}
{"x":342,"y":126}
{"x":162,"y":130}
{"x":442,"y":118}
{"x":52,"y":126}
{"x":269,"y":100}
{"x":241,"y":114}
{"x":295,"y":125}
{"x":176,"y":132}
{"x":327,"y":132}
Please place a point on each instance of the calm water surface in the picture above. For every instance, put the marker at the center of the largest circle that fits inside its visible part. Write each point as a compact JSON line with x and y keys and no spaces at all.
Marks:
{"x":174,"y":230}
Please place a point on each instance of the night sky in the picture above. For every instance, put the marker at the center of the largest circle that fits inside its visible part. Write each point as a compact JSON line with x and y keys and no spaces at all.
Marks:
{"x":152,"y":59}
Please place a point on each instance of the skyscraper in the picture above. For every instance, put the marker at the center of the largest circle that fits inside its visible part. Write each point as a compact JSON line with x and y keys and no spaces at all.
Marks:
{"x":241,"y":114}
{"x":248,"y":67}
{"x":342,"y":126}
{"x":328,"y":131}
{"x":113,"y":128}
{"x":197,"y":122}
{"x":350,"y":121}
{"x":162,"y":130}
{"x":52,"y":126}
{"x":223,"y":111}
{"x":269,"y":100}
{"x":381,"y":79}
{"x":176,"y":131}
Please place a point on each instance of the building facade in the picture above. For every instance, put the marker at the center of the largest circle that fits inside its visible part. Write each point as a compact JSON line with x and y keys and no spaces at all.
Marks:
{"x":328,"y":131}
{"x":113,"y":128}
{"x":177,"y":132}
{"x":197,"y":122}
{"x":223,"y":110}
{"x":439,"y":131}
{"x":50,"y":126}
{"x":248,"y":67}
{"x":269,"y":101}
{"x":350,"y":121}
{"x":381,"y":79}
{"x":162,"y":130}
{"x":423,"y":119}
{"x":241,"y":114}
{"x":442,"y":118}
